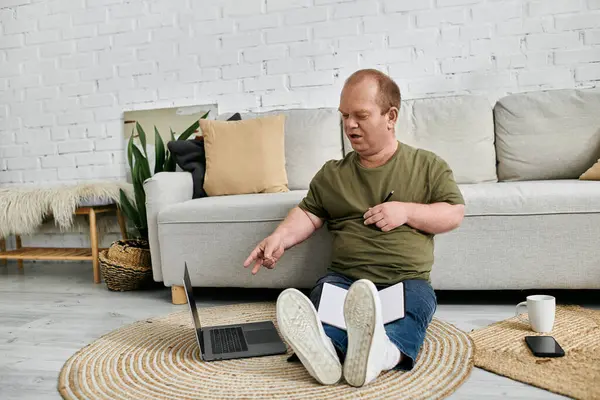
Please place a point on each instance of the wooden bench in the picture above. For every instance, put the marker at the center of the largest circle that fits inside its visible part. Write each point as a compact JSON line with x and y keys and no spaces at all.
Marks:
{"x":55,"y":253}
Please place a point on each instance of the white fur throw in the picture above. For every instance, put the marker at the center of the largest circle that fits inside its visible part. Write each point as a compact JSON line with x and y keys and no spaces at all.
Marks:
{"x":23,"y":209}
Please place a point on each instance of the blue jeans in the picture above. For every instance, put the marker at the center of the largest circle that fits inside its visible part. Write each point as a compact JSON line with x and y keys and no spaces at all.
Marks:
{"x":407,"y":333}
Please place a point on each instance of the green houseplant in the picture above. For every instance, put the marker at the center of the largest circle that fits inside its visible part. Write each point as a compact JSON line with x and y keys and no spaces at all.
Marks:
{"x":127,"y":265}
{"x":140,"y":171}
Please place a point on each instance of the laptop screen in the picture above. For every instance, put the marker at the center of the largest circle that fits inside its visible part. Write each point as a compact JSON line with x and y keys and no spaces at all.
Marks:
{"x":187,"y":283}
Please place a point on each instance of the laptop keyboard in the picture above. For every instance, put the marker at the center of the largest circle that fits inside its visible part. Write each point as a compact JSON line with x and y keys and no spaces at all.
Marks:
{"x":227,"y":340}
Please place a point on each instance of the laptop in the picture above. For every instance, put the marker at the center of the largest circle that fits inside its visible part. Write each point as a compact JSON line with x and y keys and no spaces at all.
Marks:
{"x":228,"y":342}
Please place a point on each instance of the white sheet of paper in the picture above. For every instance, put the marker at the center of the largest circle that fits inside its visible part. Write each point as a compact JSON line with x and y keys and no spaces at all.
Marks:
{"x":331,"y":306}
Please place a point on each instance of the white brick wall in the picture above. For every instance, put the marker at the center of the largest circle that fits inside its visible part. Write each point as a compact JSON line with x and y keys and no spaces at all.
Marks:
{"x":69,"y":68}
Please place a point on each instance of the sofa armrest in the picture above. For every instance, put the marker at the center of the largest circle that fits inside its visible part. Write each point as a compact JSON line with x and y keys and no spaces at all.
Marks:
{"x":163,"y":190}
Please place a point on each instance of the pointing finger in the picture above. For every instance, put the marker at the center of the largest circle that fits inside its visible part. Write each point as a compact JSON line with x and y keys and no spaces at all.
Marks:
{"x":248,"y":261}
{"x":257,"y":266}
{"x":251,"y":257}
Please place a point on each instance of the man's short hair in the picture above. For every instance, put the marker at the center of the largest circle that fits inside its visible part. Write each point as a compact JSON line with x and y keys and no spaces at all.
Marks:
{"x":388,"y":94}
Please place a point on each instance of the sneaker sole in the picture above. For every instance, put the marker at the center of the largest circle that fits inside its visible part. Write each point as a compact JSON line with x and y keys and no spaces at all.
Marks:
{"x":302,"y":330}
{"x":359,"y":313}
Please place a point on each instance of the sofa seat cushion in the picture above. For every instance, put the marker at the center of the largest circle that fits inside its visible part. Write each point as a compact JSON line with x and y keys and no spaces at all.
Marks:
{"x":497,"y":198}
{"x":258,"y":207}
{"x":532,"y":197}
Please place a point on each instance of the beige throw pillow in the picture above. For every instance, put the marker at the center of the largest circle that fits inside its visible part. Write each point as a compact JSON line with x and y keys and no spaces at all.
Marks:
{"x":593,"y":173}
{"x":246,"y":156}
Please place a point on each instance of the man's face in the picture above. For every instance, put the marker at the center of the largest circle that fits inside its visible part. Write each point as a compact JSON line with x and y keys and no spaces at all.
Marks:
{"x":364,"y":125}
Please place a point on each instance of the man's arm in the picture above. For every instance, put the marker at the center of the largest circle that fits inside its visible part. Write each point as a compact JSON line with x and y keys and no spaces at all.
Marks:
{"x":442,"y":212}
{"x":445,"y":210}
{"x":435,"y":218}
{"x":432,"y":218}
{"x":298,"y":226}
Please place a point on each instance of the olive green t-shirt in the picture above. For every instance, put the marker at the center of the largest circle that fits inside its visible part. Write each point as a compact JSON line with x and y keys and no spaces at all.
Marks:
{"x":343,"y":190}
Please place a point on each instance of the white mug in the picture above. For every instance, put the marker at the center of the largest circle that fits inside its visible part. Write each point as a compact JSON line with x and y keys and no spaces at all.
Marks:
{"x":541,"y":310}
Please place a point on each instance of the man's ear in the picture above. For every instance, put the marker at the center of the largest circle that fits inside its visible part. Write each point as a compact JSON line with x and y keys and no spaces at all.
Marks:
{"x":392,"y":117}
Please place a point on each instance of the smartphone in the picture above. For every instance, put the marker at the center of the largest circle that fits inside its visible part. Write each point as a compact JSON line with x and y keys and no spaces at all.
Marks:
{"x":544,"y":346}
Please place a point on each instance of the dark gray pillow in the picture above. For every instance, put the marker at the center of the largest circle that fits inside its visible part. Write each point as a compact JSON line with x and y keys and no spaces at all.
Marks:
{"x":190,"y":156}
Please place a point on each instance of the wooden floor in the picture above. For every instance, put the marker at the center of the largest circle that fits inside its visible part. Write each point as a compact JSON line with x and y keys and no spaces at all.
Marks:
{"x":50,"y":310}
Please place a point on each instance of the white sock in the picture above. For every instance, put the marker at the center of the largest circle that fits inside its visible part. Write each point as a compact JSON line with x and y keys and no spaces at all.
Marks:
{"x":392,"y":356}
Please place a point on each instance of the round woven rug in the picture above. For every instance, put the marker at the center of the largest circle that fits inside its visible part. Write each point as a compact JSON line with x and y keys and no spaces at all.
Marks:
{"x":159,"y":358}
{"x":501,"y":349}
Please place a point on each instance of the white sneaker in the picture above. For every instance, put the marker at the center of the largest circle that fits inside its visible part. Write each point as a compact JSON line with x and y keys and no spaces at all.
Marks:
{"x":370,"y":351}
{"x":302,"y":330}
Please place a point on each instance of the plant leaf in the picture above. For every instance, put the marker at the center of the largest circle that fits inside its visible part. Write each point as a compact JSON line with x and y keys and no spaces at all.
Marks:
{"x":130,"y":151}
{"x":142,"y":137}
{"x":136,"y":180}
{"x":170,"y":161}
{"x":142,"y":163}
{"x":140,"y":199}
{"x":170,"y":164}
{"x":128,"y":209}
{"x":188,"y":132}
{"x":139,"y":195}
{"x":159,"y":149}
{"x":192,"y":128}
{"x":141,"y":172}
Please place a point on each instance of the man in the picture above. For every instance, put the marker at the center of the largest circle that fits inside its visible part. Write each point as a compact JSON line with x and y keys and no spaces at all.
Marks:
{"x":376,"y":243}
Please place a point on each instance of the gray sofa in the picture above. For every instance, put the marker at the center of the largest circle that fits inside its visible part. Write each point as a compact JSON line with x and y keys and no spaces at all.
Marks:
{"x":529,"y":223}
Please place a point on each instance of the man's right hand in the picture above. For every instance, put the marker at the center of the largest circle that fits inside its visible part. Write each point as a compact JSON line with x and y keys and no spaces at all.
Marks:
{"x":266,"y":254}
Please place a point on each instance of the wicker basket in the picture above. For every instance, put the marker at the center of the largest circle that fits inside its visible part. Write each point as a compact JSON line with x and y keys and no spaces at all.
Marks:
{"x":126,"y":265}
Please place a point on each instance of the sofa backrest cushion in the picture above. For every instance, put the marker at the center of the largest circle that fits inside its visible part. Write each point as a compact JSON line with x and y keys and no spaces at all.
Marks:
{"x":459,"y":129}
{"x":312,"y":137}
{"x":547,"y":134}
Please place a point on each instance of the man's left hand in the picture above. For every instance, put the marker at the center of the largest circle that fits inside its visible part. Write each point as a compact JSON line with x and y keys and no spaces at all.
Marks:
{"x":388,"y":216}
